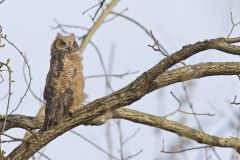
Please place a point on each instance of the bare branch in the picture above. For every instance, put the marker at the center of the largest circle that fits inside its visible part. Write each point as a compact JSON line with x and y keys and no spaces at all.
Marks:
{"x":190,"y":72}
{"x":102,"y":64}
{"x":96,"y":25}
{"x":175,"y":127}
{"x":160,"y":47}
{"x":115,"y":16}
{"x":181,"y":74}
{"x":44,"y":155}
{"x":9,"y":96}
{"x":29,"y":70}
{"x":233,"y":25}
{"x":120,"y":139}
{"x":131,"y":136}
{"x":121,"y":75}
{"x":134,"y":155}
{"x":126,"y":96}
{"x":13,"y":138}
{"x":60,"y":25}
{"x":100,"y":5}
{"x":188,"y":149}
{"x":27,"y":83}
{"x":234,"y":101}
{"x":94,"y":144}
{"x":2,"y":1}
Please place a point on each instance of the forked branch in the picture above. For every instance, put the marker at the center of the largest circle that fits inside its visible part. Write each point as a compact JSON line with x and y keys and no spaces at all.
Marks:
{"x":125,"y":96}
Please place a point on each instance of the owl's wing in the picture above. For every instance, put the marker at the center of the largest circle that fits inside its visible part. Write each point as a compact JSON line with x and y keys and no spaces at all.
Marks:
{"x":57,"y":92}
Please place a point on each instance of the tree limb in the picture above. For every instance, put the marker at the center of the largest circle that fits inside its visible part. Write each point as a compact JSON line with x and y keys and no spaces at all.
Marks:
{"x":123,"y":97}
{"x":162,"y":123}
{"x":181,"y":74}
{"x":96,"y":25}
{"x":189,"y":72}
{"x":175,"y":127}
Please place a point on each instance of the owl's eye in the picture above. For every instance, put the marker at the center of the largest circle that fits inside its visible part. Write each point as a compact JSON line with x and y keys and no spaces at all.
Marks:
{"x":62,"y":43}
{"x":75,"y":44}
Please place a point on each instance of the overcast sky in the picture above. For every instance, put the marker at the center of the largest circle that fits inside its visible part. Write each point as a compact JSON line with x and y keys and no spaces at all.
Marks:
{"x":28,"y":24}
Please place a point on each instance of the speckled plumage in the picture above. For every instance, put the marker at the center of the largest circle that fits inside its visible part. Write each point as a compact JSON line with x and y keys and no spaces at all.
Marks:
{"x":65,"y":82}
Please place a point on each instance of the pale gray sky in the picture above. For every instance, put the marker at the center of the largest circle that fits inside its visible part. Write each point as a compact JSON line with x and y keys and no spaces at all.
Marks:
{"x":175,"y":23}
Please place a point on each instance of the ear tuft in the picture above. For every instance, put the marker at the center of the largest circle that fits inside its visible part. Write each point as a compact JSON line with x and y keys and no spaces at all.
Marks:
{"x":72,"y":35}
{"x":59,"y":35}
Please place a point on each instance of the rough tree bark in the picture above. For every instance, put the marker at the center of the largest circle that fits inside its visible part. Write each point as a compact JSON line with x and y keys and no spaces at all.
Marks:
{"x":128,"y":95}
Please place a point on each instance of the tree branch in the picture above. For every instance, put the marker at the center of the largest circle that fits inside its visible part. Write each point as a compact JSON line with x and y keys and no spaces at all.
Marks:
{"x":175,"y":127}
{"x":123,"y":97}
{"x":190,"y":72}
{"x":181,"y":74}
{"x":165,"y":124}
{"x":96,"y":25}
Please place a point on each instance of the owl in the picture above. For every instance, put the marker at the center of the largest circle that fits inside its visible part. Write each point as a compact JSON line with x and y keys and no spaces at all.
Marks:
{"x":64,"y":89}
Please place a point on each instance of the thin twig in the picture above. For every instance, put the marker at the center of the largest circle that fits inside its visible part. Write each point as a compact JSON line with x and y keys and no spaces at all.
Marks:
{"x":134,"y":155}
{"x":195,"y":117}
{"x":60,"y":25}
{"x":9,"y":141}
{"x":197,"y":114}
{"x":100,"y":5}
{"x":2,"y":79}
{"x":2,"y":98}
{"x":188,"y":149}
{"x":96,"y":25}
{"x":109,"y":124}
{"x":29,"y":71}
{"x":161,"y":48}
{"x":177,"y":99}
{"x":44,"y":155}
{"x":94,"y":144}
{"x":131,"y":136}
{"x":121,"y":75}
{"x":9,"y":97}
{"x":115,"y":16}
{"x":185,"y":112}
{"x":2,"y":1}
{"x":102,"y":64}
{"x":120,"y":139}
{"x":234,"y":101}
{"x":233,"y":25}
{"x":13,"y":138}
{"x":158,"y":45}
{"x":30,"y":89}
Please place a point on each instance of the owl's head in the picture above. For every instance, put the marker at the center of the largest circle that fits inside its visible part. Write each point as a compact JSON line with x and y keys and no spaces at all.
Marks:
{"x":65,"y":44}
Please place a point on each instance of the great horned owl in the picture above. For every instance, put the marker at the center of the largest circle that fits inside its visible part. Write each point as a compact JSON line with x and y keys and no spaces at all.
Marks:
{"x":65,"y":82}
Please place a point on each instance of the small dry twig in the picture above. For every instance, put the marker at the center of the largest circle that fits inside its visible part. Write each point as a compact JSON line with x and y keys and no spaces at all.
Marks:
{"x":234,"y":101}
{"x":121,"y":75}
{"x":184,"y":112}
{"x":94,"y":144}
{"x":188,"y":149}
{"x":2,"y":1}
{"x":100,"y":5}
{"x":13,"y":138}
{"x":29,"y":71}
{"x":233,"y":25}
{"x":60,"y":25}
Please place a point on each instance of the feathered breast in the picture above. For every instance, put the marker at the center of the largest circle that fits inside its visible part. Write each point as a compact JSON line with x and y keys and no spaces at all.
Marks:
{"x":59,"y":78}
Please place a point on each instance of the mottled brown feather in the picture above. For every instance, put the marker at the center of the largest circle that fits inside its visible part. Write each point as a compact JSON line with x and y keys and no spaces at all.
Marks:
{"x":65,"y":81}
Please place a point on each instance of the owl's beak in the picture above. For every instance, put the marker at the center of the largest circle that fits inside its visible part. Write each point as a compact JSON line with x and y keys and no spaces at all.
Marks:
{"x":71,"y":48}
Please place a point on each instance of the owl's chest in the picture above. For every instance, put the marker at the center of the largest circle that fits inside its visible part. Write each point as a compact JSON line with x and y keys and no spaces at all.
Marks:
{"x":64,"y":67}
{"x":74,"y":62}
